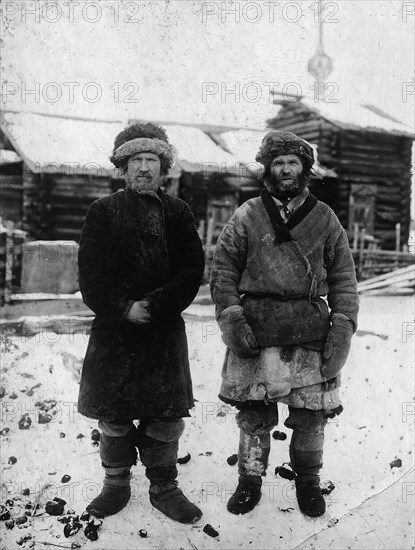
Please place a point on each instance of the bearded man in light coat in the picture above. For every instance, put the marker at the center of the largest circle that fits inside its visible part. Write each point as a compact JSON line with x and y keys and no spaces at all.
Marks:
{"x":276,"y":259}
{"x":140,"y":265}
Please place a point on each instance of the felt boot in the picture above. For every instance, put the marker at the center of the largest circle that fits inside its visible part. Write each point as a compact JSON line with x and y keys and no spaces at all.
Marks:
{"x":160,"y":460}
{"x":118,"y":454}
{"x":309,"y":497}
{"x":114,"y":495}
{"x":246,"y":496}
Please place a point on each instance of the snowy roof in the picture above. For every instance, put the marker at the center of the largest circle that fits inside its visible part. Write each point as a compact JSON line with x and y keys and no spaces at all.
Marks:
{"x":70,"y":145}
{"x":9,"y":157}
{"x":60,"y":144}
{"x":350,"y":115}
{"x":245,"y":144}
{"x":196,"y":151}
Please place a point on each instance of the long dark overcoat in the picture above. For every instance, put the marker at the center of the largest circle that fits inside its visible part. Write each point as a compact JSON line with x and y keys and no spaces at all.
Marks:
{"x":138,"y":247}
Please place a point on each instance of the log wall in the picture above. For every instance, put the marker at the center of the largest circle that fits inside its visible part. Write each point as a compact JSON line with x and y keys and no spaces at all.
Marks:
{"x":358,"y":157}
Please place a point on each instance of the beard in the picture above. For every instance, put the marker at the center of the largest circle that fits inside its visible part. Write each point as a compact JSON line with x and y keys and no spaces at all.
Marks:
{"x":285,"y":188}
{"x":142,"y":184}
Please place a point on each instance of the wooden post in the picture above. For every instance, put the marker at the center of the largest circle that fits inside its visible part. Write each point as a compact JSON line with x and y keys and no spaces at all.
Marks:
{"x":397,"y":243}
{"x":355,"y":236}
{"x":360,"y":266}
{"x":397,"y":237}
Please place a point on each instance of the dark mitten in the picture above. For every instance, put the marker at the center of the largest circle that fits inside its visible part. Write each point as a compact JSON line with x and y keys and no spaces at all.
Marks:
{"x":236,"y":333}
{"x":337,"y":346}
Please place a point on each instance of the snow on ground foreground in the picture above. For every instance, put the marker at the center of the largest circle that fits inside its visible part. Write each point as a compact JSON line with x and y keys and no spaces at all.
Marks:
{"x":368,"y":449}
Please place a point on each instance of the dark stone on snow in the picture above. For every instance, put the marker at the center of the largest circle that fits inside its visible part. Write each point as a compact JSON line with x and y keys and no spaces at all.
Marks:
{"x":9,"y":524}
{"x":25,"y":422}
{"x":62,"y":435}
{"x":4,"y":513}
{"x":55,"y":507}
{"x":64,"y":519}
{"x":338,"y":410}
{"x":284,"y":472}
{"x":26,"y":492}
{"x":209,"y":530}
{"x":20,"y":520}
{"x":66,"y":478}
{"x":328,"y":488}
{"x":232,"y":460}
{"x":23,"y":539}
{"x":44,"y":417}
{"x":12,"y":460}
{"x":91,"y":531}
{"x":280,"y":436}
{"x":397,"y":463}
{"x":9,"y":502}
{"x":71,"y":528}
{"x":95,"y":435}
{"x":4,"y":431}
{"x":80,"y":436}
{"x":184,"y":459}
{"x":85,"y":516}
{"x":142,"y":533}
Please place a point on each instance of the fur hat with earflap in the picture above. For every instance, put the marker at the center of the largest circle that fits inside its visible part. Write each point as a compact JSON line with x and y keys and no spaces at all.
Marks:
{"x":279,"y":142}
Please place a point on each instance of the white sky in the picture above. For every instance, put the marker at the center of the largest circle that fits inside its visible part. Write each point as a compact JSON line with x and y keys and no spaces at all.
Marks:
{"x":171,"y":50}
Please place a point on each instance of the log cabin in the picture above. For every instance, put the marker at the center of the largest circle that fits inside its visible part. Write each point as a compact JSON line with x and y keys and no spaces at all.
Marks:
{"x":370,"y":152}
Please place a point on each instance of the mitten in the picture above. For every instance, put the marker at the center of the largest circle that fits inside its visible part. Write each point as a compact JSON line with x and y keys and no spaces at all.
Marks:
{"x":337,"y":346}
{"x":236,"y":333}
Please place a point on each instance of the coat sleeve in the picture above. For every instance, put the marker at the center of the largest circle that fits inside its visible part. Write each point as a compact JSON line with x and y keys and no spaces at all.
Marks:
{"x":341,"y":276}
{"x":228,"y":264}
{"x":176,"y":295}
{"x":99,"y":290}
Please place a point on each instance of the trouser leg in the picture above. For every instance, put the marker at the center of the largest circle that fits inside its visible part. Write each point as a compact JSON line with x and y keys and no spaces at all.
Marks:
{"x":255,"y":423}
{"x":306,"y":454}
{"x":307,"y":441}
{"x":117,"y":444}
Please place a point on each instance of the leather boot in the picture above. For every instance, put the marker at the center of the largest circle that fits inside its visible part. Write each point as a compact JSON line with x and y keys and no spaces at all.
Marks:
{"x":246,"y":496}
{"x":160,"y":460}
{"x":309,"y":497}
{"x":118,"y":454}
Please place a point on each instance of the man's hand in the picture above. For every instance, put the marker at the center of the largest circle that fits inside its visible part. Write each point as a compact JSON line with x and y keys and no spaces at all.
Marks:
{"x":337,"y":347}
{"x":138,"y":313}
{"x":236,"y":333}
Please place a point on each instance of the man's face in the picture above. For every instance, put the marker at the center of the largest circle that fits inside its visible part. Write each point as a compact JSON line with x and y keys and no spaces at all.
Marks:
{"x":143,"y":172}
{"x":285,"y":178}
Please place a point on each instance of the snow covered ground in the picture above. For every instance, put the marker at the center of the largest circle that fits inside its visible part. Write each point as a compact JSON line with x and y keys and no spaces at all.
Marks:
{"x":372,"y":506}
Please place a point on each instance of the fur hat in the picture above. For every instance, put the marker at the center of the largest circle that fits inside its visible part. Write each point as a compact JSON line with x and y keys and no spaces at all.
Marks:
{"x":278,"y":143}
{"x":143,"y":137}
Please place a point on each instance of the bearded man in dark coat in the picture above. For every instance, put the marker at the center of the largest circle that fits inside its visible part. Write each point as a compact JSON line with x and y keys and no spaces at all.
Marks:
{"x":276,"y":259}
{"x":140,"y":265}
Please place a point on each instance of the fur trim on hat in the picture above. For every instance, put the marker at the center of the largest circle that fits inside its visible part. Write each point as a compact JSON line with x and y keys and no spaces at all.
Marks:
{"x":278,"y":143}
{"x":150,"y":131}
{"x":141,"y":145}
